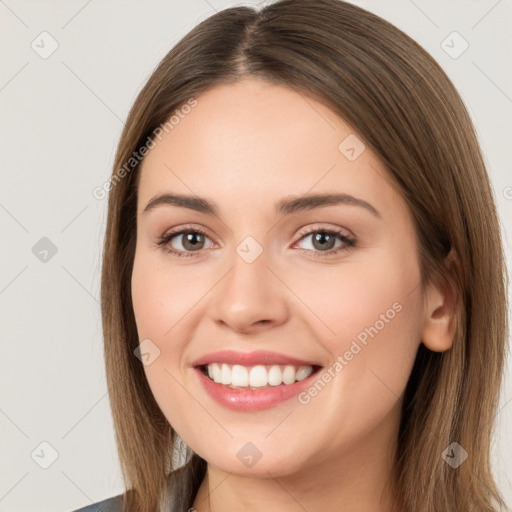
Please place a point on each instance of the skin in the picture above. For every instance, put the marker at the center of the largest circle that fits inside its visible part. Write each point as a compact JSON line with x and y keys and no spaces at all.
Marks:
{"x":245,"y":146}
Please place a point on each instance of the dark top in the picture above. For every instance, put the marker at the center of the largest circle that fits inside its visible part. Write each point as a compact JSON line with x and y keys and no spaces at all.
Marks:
{"x":113,"y":504}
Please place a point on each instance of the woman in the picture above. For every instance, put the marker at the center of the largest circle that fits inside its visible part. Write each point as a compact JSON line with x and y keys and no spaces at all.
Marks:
{"x":303,"y":286}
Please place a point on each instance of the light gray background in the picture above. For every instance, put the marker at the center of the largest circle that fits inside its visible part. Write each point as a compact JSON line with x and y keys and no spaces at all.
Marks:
{"x":61,"y":118}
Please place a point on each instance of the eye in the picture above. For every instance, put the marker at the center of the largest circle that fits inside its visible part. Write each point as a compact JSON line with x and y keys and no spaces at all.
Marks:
{"x":187,"y":241}
{"x":323,"y":241}
{"x":190,"y":240}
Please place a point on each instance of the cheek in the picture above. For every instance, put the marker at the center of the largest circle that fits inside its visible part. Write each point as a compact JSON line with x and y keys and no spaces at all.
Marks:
{"x":376,"y":315}
{"x":360,"y":299}
{"x":370,"y":324}
{"x":163,"y":301}
{"x":167,"y":309}
{"x":162,"y":304}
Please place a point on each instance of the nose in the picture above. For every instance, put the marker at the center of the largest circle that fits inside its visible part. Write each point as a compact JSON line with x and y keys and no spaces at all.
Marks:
{"x":250,"y":298}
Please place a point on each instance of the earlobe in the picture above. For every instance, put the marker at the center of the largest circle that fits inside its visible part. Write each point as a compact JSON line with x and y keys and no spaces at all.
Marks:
{"x":438,"y":332}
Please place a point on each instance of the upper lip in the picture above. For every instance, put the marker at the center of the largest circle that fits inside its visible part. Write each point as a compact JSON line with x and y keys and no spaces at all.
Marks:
{"x":262,"y":357}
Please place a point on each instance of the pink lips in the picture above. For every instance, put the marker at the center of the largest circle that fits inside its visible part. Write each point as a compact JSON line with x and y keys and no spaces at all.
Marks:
{"x":250,"y":358}
{"x":250,"y":400}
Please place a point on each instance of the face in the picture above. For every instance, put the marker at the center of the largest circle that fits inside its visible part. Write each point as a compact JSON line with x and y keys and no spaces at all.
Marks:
{"x":304,"y":311}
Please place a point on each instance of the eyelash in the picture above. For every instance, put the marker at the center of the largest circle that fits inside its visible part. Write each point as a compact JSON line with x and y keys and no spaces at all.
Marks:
{"x":348,"y":242}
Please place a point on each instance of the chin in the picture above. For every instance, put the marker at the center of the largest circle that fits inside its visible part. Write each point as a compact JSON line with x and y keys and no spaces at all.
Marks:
{"x":258,"y":458}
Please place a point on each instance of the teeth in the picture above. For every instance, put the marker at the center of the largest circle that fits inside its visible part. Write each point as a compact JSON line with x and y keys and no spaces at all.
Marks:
{"x":225,"y":374}
{"x":275,"y":376}
{"x":303,"y":372}
{"x":289,"y":375}
{"x":258,"y":376}
{"x":239,"y":376}
{"x":214,"y":372}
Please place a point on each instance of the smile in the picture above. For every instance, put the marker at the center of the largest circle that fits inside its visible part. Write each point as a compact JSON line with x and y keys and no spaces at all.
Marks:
{"x":253,"y":381}
{"x":256,"y":377}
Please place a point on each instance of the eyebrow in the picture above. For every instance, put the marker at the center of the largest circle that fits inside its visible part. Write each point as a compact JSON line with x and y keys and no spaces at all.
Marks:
{"x":286,"y":206}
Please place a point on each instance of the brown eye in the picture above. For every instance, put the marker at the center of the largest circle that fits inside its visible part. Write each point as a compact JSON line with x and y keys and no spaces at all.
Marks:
{"x":324,"y":241}
{"x":192,"y":240}
{"x":185,"y":242}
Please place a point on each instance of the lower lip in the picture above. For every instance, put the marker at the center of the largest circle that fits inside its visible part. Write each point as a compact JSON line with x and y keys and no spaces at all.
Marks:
{"x":248,"y":400}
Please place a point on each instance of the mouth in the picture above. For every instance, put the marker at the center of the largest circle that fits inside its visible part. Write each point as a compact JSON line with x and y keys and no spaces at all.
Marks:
{"x":257,"y":377}
{"x":248,"y":382}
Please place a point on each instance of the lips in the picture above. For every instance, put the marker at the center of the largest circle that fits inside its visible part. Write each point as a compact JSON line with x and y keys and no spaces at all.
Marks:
{"x":252,"y":381}
{"x":260,"y":357}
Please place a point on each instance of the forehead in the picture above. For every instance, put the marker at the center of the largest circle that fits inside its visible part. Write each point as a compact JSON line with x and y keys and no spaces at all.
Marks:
{"x":263,"y":141}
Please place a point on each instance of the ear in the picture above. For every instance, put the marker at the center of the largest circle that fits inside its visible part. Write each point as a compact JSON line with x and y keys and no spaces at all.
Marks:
{"x":438,"y":332}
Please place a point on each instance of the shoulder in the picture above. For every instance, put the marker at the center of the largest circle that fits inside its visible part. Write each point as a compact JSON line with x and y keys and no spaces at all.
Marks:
{"x":114,"y":504}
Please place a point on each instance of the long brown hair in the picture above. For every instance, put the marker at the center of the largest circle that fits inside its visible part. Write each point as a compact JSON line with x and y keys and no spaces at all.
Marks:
{"x":402,"y":104}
